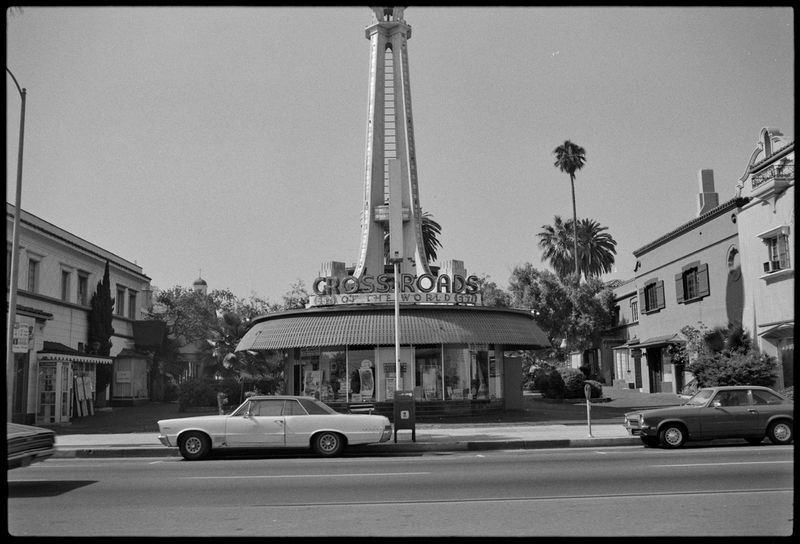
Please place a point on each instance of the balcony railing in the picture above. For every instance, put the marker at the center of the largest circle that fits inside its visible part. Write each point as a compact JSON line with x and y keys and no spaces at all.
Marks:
{"x":780,"y":172}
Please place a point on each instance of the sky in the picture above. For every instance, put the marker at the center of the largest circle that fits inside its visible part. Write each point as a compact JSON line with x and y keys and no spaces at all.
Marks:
{"x":228,"y":142}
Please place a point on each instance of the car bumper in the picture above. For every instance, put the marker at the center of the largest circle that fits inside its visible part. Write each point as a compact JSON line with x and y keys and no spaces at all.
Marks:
{"x":164,"y":440}
{"x":387,"y":434}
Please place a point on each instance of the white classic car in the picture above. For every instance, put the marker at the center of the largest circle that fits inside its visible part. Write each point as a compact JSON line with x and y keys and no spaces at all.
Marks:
{"x":274,"y":422}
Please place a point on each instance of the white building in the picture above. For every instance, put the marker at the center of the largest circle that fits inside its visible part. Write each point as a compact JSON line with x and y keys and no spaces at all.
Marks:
{"x":766,"y":234}
{"x":54,"y":376}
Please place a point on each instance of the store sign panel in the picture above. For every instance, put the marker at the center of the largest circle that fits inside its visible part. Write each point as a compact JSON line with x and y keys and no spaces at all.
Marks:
{"x":388,"y":298}
{"x":424,"y":289}
{"x":22,"y":338}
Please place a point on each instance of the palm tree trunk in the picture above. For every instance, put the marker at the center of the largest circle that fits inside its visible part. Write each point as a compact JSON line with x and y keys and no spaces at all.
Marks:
{"x":574,"y":228}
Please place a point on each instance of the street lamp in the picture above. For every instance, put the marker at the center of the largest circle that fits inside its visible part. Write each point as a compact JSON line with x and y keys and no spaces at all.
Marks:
{"x":12,"y":297}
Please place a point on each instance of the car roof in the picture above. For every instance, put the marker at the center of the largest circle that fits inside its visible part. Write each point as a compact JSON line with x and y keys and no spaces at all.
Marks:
{"x":278,"y":397}
{"x":730,"y":387}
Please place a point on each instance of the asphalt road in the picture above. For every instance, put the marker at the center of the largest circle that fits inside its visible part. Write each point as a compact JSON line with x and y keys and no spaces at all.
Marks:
{"x":737,"y":490}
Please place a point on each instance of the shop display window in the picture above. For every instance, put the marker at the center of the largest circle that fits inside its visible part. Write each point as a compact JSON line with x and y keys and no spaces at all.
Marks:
{"x":456,"y":373}
{"x":361,"y":375}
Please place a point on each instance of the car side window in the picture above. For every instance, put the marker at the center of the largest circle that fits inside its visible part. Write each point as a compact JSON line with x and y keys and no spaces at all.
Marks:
{"x":293,"y":408}
{"x":732,"y":398}
{"x":765,"y":397}
{"x":268,"y":408}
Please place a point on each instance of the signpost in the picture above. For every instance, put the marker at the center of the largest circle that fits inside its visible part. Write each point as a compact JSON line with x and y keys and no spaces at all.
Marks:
{"x":587,"y":391}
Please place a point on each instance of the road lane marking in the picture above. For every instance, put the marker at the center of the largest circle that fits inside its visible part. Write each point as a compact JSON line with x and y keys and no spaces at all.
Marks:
{"x":723,"y":464}
{"x":250,"y":477}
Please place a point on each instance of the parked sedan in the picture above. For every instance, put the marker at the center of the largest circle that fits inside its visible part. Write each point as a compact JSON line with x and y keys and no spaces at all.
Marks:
{"x":274,"y":422}
{"x":27,"y":444}
{"x":741,"y":411}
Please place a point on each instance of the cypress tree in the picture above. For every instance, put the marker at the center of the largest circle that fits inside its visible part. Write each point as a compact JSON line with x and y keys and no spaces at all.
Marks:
{"x":100,"y":329}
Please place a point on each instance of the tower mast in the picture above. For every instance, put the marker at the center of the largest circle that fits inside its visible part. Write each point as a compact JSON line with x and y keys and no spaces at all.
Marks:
{"x":391,"y":197}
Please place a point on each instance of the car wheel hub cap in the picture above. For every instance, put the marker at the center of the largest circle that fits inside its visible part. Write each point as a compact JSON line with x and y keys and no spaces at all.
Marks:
{"x":673,"y":436}
{"x":328,"y":443}
{"x":193,"y":445}
{"x":782,"y":432}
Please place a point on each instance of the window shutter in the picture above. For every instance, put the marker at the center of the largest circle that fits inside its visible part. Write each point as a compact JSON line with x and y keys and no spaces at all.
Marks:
{"x":679,"y":287}
{"x":703,"y":289}
{"x":660,"y":301}
{"x":643,"y":299}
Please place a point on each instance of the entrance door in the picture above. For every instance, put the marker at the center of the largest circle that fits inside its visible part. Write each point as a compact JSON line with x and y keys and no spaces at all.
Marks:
{"x":655,"y":369}
{"x":55,"y":393}
{"x":262,"y":425}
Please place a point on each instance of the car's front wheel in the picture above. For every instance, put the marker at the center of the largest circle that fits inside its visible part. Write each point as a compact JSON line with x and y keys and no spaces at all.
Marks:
{"x":194,"y":445}
{"x":328,"y":443}
{"x":780,"y":432}
{"x":673,"y":435}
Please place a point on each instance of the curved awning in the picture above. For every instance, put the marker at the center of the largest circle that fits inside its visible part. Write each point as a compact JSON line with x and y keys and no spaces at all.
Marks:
{"x":319,"y":327}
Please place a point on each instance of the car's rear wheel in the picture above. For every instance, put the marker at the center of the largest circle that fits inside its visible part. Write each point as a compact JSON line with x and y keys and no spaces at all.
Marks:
{"x":780,"y":432}
{"x":672,"y":435}
{"x":194,"y":445}
{"x":328,"y":443}
{"x":649,"y":441}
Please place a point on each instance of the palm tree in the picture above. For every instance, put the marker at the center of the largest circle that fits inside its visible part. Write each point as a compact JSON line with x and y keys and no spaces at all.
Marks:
{"x":555,"y":241}
{"x":430,"y":237}
{"x":570,"y":158}
{"x":596,"y":248}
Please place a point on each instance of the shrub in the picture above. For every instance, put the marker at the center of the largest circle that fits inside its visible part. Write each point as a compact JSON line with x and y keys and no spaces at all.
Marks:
{"x":549,"y":382}
{"x":735,"y":368}
{"x":196,"y":392}
{"x":587,"y":371}
{"x":573,"y":382}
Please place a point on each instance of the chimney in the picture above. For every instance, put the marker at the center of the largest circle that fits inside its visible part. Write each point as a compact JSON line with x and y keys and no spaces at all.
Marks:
{"x":709,"y":199}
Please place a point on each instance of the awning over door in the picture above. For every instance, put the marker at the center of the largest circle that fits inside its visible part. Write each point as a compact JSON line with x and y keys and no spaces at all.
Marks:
{"x":318,"y":327}
{"x":53,"y":351}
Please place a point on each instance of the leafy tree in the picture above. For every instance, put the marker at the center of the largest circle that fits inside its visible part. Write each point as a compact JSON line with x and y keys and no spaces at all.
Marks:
{"x":296,"y":297}
{"x":570,"y":158}
{"x":492,"y":294}
{"x":596,"y":248}
{"x":101,"y":316}
{"x":563,"y":309}
{"x":555,"y":241}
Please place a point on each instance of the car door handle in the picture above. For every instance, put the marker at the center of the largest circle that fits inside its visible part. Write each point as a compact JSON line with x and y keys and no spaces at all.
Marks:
{"x":279,"y":421}
{"x":752,"y":411}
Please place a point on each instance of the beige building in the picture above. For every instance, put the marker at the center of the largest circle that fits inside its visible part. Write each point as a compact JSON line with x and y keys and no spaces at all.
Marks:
{"x":767,"y":237}
{"x":54,"y":376}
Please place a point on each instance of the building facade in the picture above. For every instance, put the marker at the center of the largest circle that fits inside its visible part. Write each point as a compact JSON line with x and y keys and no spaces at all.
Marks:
{"x":54,"y":373}
{"x":392,"y":321}
{"x":689,"y":276}
{"x":767,"y":237}
{"x":732,"y":264}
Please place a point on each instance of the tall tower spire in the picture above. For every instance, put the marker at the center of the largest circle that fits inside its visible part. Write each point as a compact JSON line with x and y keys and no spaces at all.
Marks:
{"x":391,"y":198}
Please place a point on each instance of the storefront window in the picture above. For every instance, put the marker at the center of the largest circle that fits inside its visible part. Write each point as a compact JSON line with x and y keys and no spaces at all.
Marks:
{"x":479,"y":359}
{"x":361,"y":375}
{"x":456,"y":373}
{"x":309,"y":372}
{"x":332,"y":366}
{"x":428,"y":370}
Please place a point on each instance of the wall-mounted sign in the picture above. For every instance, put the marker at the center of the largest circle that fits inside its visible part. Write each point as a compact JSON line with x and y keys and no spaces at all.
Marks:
{"x":22,"y":338}
{"x":424,"y":289}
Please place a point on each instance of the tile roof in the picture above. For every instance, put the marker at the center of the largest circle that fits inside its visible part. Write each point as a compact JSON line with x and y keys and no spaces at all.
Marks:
{"x":514,"y":329}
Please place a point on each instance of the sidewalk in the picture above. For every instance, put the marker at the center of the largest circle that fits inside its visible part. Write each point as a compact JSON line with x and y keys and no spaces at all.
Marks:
{"x":565,"y":426}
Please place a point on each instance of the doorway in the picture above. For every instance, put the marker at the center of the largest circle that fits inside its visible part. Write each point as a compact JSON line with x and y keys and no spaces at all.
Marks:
{"x":655,"y":369}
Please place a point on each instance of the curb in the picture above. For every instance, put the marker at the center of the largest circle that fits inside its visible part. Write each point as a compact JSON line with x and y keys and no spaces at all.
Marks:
{"x":406,"y":448}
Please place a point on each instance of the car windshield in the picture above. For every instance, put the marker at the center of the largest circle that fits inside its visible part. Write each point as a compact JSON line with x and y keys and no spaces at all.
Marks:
{"x":700,"y":398}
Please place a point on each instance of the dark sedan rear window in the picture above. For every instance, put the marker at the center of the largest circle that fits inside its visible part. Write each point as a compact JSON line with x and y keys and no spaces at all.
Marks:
{"x":765,"y":397}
